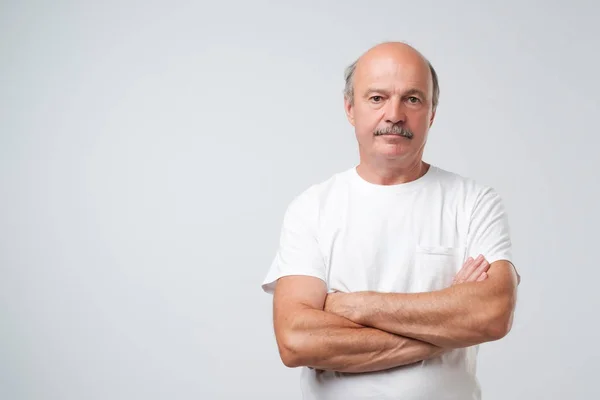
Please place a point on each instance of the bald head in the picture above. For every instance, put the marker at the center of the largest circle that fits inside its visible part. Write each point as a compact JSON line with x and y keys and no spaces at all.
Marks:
{"x":400,"y":54}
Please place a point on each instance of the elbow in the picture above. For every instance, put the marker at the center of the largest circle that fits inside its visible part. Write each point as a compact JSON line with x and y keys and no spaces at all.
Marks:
{"x":290,"y":350}
{"x":500,"y":327}
{"x":289,"y":358}
{"x":499,"y":321}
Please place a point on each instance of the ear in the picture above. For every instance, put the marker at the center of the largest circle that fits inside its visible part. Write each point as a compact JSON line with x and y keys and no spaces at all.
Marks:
{"x":349,"y":108}
{"x":432,"y":117}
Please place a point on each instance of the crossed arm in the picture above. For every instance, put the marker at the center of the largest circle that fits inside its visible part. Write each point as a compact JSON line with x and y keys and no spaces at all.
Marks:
{"x":309,"y":336}
{"x":370,"y":331}
{"x":459,"y":316}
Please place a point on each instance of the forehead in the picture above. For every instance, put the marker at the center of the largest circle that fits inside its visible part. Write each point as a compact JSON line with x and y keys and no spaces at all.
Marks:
{"x":393,"y":73}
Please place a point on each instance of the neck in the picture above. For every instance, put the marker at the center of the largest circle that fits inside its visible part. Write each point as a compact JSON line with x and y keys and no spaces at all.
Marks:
{"x":388,"y":174}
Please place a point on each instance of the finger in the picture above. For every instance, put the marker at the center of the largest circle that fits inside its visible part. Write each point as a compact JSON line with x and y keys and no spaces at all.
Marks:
{"x":470,"y":274}
{"x":484,"y":266}
{"x":482,"y":277}
{"x":463,"y":270}
{"x":468,"y":269}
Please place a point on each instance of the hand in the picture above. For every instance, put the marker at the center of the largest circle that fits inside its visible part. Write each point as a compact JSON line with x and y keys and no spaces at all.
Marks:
{"x":473,"y":270}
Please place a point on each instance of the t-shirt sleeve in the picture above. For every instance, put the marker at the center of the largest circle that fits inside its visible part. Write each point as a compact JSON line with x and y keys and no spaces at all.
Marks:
{"x":298,"y":252}
{"x":489,"y":230}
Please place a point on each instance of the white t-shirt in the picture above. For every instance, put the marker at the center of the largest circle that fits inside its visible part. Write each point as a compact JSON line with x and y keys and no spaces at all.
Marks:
{"x":410,"y":237}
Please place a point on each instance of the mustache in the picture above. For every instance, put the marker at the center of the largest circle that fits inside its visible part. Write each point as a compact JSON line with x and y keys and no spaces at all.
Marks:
{"x":395,"y":130}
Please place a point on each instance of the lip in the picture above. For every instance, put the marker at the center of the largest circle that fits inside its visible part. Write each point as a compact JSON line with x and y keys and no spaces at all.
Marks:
{"x":390,"y":135}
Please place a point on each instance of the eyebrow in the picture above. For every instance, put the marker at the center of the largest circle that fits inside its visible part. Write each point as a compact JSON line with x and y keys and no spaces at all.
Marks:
{"x":409,"y":92}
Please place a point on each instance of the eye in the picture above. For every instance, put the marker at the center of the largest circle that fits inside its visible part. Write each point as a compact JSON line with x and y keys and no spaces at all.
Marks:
{"x":414,"y":100}
{"x":376,"y":99}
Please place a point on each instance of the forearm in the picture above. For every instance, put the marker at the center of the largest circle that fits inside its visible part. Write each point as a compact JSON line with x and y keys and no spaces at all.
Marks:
{"x":460,"y":316}
{"x":325,"y":341}
{"x":454,"y":317}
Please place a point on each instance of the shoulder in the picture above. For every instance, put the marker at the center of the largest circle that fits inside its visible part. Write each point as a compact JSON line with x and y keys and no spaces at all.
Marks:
{"x":467,"y":194}
{"x":466,"y":186}
{"x":309,"y":201}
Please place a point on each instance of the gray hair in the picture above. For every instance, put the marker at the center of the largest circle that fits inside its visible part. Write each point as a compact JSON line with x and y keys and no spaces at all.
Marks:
{"x":349,"y":87}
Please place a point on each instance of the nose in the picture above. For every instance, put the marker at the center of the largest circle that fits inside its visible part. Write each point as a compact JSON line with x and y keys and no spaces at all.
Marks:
{"x":395,"y":113}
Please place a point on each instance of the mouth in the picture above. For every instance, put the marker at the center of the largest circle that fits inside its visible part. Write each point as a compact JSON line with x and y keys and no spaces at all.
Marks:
{"x":393,"y":135}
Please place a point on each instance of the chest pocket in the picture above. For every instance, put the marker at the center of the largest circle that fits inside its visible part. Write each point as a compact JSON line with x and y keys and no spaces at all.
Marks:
{"x":436,"y":267}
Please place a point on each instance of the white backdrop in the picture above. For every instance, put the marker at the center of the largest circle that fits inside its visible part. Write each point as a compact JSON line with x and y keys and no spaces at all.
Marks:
{"x":148,"y":151}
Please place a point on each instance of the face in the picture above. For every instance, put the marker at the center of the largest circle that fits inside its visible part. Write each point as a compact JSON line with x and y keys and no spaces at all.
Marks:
{"x":392,"y":109}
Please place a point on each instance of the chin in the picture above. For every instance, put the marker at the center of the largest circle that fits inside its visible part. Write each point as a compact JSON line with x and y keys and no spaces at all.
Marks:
{"x":393,"y":151}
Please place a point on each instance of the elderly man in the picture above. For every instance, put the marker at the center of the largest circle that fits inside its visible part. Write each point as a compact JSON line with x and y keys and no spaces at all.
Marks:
{"x":390,"y":274}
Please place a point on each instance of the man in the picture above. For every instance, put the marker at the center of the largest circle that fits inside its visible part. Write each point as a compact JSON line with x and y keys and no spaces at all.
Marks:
{"x":389,"y":275}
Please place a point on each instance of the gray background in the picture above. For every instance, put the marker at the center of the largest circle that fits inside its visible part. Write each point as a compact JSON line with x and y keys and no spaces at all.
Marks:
{"x":148,"y":152}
